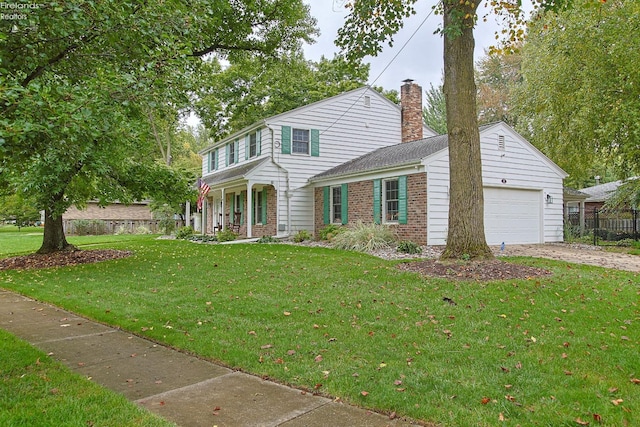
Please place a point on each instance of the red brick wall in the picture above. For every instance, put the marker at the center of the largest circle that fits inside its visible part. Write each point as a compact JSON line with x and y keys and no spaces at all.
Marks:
{"x":360,"y":201}
{"x":116,"y":211}
{"x":411,"y":103}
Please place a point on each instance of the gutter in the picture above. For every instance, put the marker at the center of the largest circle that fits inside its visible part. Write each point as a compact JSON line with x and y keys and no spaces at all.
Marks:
{"x":286,"y":172}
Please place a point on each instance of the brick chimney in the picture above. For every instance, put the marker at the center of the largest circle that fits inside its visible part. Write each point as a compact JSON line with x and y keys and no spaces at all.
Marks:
{"x":411,"y":113}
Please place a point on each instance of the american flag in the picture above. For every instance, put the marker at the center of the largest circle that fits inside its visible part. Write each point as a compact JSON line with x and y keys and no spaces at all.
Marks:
{"x":203,"y":190}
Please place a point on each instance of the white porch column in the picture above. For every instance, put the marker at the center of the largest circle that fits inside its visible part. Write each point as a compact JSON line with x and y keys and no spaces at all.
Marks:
{"x":249,"y":210}
{"x":204,"y":216}
{"x":224,"y":223}
{"x":187,"y":213}
{"x":582,"y":224}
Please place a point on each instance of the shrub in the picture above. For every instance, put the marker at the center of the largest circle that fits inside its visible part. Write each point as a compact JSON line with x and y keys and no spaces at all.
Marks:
{"x":165,"y":216}
{"x":84,"y":227}
{"x":330,"y":231}
{"x":301,"y":236}
{"x":365,"y":237}
{"x":409,"y":247}
{"x":122,"y":229}
{"x":201,"y":238}
{"x":267,"y":239}
{"x":141,"y":229}
{"x":184,"y":232}
{"x":226,"y":235}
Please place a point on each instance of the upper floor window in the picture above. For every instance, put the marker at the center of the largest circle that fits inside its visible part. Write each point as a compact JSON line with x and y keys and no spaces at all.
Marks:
{"x":213,"y":160}
{"x":232,"y":153}
{"x":252,"y":144}
{"x":300,"y":141}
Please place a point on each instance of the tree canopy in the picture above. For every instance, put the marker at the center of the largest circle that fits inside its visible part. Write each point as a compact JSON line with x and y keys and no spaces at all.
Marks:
{"x":79,"y":79}
{"x":250,"y":88}
{"x":579,"y":100}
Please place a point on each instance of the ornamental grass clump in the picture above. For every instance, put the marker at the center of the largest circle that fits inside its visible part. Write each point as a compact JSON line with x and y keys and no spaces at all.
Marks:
{"x":363,"y":237}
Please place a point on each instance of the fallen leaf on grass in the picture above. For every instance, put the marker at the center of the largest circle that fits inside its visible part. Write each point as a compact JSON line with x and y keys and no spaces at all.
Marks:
{"x":485,"y":400}
{"x":318,"y":358}
{"x":287,"y":313}
{"x":617,"y":401}
{"x":597,"y":418}
{"x":582,"y":423}
{"x":364,"y":393}
{"x":500,"y":417}
{"x":635,"y":380}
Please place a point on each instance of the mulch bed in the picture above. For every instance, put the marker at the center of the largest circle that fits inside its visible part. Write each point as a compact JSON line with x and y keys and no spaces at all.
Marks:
{"x":481,"y":271}
{"x":60,"y":259}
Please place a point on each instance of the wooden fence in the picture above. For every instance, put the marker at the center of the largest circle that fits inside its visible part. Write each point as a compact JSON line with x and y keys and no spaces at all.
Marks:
{"x":98,"y":227}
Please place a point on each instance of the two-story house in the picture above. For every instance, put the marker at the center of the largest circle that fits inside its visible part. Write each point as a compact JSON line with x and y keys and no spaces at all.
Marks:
{"x":261,"y":173}
{"x":359,"y":157}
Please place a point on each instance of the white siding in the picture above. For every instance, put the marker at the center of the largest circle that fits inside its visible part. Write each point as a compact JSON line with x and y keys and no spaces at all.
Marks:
{"x":348,"y":130}
{"x":518,"y":166}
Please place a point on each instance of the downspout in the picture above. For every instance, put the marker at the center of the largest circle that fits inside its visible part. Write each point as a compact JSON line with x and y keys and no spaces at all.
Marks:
{"x":286,"y":172}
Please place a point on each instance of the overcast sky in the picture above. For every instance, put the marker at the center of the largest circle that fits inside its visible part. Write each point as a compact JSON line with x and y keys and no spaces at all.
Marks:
{"x":421,"y":59}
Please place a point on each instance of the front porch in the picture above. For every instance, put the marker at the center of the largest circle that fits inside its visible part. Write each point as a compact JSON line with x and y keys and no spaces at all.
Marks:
{"x":249,"y":211}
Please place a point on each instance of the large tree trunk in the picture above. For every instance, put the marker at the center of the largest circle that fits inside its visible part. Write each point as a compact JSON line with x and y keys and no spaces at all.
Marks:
{"x":54,"y":239}
{"x":465,"y":237}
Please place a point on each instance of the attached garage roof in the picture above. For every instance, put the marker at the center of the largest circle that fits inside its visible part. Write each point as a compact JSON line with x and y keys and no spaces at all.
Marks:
{"x":405,"y":153}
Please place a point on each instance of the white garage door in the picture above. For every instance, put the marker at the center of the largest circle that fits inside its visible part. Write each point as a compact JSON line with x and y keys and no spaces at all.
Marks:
{"x":512,"y":216}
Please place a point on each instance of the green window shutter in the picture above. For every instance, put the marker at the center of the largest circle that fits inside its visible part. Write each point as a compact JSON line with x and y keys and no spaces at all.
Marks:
{"x":344,"y":195}
{"x":286,"y":139}
{"x":215,"y":159}
{"x":246,"y":147}
{"x":231,"y":207}
{"x":237,"y":151}
{"x":241,"y":207}
{"x":253,"y":211}
{"x":226,"y":155}
{"x":315,"y":142}
{"x":377,"y":200}
{"x":264,"y":205}
{"x":326,"y":200}
{"x":402,"y":200}
{"x":258,"y":142}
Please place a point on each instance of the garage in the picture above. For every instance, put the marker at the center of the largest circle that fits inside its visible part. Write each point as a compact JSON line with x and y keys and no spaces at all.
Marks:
{"x":512,"y":216}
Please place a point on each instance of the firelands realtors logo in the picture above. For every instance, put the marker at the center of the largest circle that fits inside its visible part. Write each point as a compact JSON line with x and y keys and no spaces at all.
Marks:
{"x":16,"y":11}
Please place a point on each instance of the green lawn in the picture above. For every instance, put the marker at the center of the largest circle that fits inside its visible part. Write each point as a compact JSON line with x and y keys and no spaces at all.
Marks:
{"x":37,"y":391}
{"x":546,"y":351}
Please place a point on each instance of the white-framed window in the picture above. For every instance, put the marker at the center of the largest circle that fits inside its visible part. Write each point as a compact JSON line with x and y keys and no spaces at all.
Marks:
{"x":390,"y":200}
{"x":300,"y":141}
{"x":253,"y":144}
{"x":232,"y":153}
{"x":213,"y":160}
{"x":336,"y":204}
{"x":573,"y":207}
{"x":257,"y":206}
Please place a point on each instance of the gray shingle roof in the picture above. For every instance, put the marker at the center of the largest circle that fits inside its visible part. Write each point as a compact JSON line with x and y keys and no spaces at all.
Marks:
{"x":235,"y":173}
{"x":406,"y":153}
{"x":600,"y":193}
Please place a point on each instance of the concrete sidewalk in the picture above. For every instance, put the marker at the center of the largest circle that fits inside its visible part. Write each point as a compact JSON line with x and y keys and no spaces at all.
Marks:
{"x":181,"y":388}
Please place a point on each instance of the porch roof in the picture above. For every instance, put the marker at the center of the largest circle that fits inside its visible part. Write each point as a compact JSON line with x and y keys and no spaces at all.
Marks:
{"x":236,"y":173}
